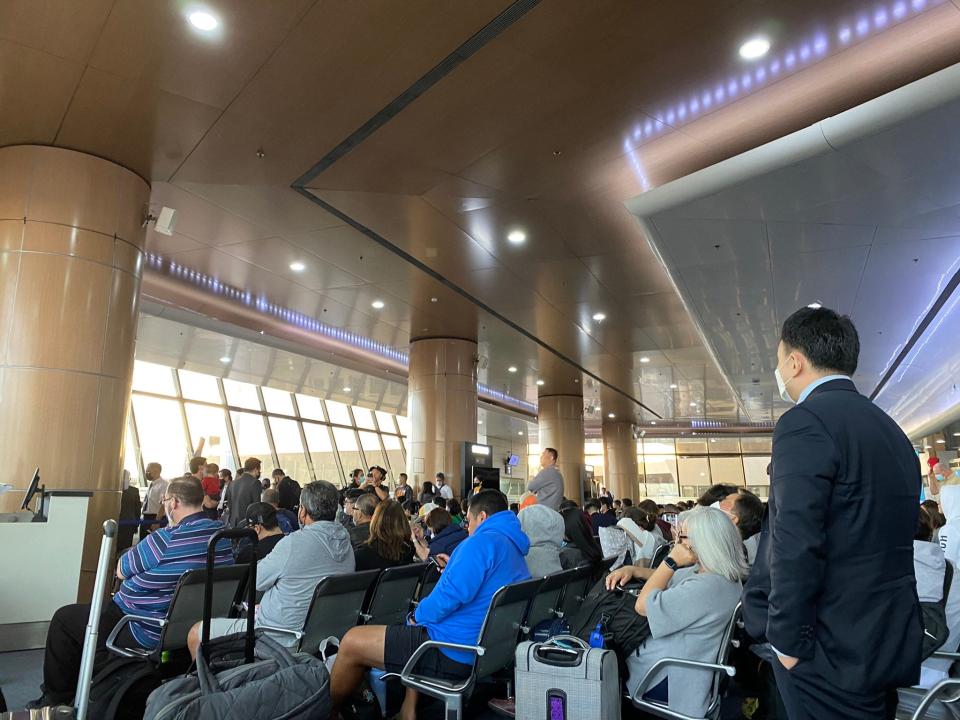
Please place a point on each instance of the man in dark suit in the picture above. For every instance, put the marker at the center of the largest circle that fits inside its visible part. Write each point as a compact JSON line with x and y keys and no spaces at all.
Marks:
{"x":833,"y":589}
{"x":244,"y":491}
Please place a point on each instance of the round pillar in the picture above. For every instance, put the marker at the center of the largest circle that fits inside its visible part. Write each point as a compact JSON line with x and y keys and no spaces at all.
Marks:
{"x":620,"y":459}
{"x":442,"y":407}
{"x":560,"y":421}
{"x":71,"y":246}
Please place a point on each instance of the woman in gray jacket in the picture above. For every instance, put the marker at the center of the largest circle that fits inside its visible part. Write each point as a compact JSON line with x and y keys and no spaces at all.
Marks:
{"x":544,"y":528}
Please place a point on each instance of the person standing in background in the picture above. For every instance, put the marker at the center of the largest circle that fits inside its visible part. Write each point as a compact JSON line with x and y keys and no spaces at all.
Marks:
{"x":833,"y":589}
{"x":548,"y":484}
{"x":211,"y":490}
{"x":129,"y":513}
{"x":444,"y":490}
{"x":245,"y":489}
{"x":152,"y":508}
{"x":226,"y":477}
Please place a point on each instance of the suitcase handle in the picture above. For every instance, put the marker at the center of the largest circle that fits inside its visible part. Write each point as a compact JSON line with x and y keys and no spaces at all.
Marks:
{"x":558,"y":656}
{"x":229,"y":534}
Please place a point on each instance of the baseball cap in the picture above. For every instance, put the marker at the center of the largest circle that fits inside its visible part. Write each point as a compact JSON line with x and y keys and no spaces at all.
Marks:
{"x":260,"y":513}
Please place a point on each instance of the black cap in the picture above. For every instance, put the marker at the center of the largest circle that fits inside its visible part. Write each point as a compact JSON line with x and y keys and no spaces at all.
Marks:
{"x":352,"y":494}
{"x":260,"y":513}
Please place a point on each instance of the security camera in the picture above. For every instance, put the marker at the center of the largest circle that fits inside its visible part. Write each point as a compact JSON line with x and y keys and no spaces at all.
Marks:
{"x":164,"y":221}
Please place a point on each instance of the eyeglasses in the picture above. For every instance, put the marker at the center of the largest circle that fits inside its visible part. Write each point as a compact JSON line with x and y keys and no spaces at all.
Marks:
{"x":682,"y":537}
{"x":166,"y":498}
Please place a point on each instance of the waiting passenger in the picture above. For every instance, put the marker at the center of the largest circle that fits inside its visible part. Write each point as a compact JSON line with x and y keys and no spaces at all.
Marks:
{"x":389,"y":542}
{"x":244,"y":490}
{"x":929,"y":567}
{"x":662,"y":525}
{"x":262,"y":518}
{"x":376,"y":483}
{"x":286,"y":520}
{"x":548,"y":483}
{"x":456,"y":512}
{"x":149,"y":571}
{"x":688,"y":602}
{"x":641,"y":528}
{"x":210,"y":481}
{"x":443,"y":489}
{"x":290,"y":573}
{"x":345,"y":514}
{"x":493,"y":556}
{"x":363,"y":509}
{"x":152,"y":509}
{"x":746,"y":511}
{"x":601,"y":513}
{"x":544,"y":528}
{"x":581,"y":546}
{"x":950,"y":504}
{"x":716,"y":493}
{"x":403,"y":491}
{"x":426,"y":493}
{"x":226,"y":478}
{"x":288,"y":494}
{"x":444,"y":535}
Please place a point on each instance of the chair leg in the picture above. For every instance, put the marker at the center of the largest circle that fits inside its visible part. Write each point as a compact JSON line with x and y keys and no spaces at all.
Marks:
{"x":453,"y":707}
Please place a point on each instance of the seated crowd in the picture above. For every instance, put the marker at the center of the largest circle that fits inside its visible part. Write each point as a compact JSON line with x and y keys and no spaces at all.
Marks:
{"x":309,"y":533}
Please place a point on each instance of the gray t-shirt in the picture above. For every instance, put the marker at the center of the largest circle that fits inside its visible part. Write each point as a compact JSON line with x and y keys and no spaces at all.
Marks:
{"x":548,"y":487}
{"x":291,"y":572}
{"x":687,"y":620}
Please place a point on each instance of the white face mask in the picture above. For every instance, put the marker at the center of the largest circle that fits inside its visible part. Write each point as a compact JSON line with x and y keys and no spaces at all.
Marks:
{"x":782,"y":386}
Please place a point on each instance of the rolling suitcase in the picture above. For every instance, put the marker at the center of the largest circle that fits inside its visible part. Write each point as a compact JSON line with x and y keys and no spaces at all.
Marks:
{"x":554,"y":682}
{"x":81,"y":703}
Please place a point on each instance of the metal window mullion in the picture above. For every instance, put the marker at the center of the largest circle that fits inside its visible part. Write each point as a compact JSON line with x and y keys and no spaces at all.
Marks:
{"x":135,"y":436}
{"x":336,"y":453}
{"x":383,"y":454}
{"x":266,"y":425}
{"x":191,"y":451}
{"x":303,"y":439}
{"x":231,"y":436}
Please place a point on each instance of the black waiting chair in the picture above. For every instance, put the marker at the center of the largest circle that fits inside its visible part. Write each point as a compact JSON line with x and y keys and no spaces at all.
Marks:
{"x":602,"y":567}
{"x":428,"y":582}
{"x":546,"y":603}
{"x":659,"y":554}
{"x":392,"y":594}
{"x":721,"y":670}
{"x":576,"y":590}
{"x":335,"y":607}
{"x":186,"y":609}
{"x":494,"y":651}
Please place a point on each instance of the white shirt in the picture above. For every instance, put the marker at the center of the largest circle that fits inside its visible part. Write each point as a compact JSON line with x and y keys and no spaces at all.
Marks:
{"x":155,"y":493}
{"x":446,"y":492}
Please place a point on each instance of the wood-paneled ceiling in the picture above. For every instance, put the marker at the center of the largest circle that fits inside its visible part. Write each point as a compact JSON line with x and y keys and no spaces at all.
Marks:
{"x":541,"y":126}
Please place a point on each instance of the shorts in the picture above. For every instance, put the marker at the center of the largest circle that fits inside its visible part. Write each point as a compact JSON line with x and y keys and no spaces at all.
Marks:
{"x":401,"y":641}
{"x":220,"y":627}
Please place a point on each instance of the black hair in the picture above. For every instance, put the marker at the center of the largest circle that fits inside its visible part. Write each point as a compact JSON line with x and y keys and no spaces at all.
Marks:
{"x":488,"y":501}
{"x":515,"y":508}
{"x":716,"y":493}
{"x":440,"y":502}
{"x":453,"y":507}
{"x":261,"y":513}
{"x":592,"y":505}
{"x":627,"y":502}
{"x":566,"y":505}
{"x":749,"y":511}
{"x":924,"y":526}
{"x":828,"y":340}
{"x":578,"y":532}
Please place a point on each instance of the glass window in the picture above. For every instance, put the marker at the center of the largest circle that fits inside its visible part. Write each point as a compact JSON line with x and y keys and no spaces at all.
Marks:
{"x":371,"y":449}
{"x":208,"y":424}
{"x":277,"y":401}
{"x":363,"y":418}
{"x":755,"y":472}
{"x":321,"y":452}
{"x":151,"y":378}
{"x":394,"y":454}
{"x":289,"y":446}
{"x":694,"y":474}
{"x":386,"y":422}
{"x":404,"y":423}
{"x":757,"y":444}
{"x":658,"y":447}
{"x":310,"y":407}
{"x":660,"y":475}
{"x":728,"y":470}
{"x":251,"y":437}
{"x":346,"y":441}
{"x":130,"y":463}
{"x":338,"y":413}
{"x":162,"y":438}
{"x":724,"y":445}
{"x":196,"y":386}
{"x":241,"y":394}
{"x":691,"y":446}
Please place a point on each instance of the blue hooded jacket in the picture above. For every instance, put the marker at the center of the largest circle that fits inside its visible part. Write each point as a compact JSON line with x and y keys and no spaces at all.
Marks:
{"x":482,"y":564}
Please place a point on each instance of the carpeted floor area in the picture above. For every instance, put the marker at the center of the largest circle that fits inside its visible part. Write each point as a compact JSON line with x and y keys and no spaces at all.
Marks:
{"x":20,"y":675}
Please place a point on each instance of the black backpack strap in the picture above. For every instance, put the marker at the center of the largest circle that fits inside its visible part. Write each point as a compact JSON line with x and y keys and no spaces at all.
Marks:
{"x":947,"y":581}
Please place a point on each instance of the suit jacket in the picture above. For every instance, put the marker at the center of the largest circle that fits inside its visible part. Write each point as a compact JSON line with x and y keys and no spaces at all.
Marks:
{"x":244,"y":490}
{"x":833,"y":583}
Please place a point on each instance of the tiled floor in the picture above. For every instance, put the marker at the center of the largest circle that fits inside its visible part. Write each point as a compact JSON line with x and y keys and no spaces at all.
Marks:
{"x":20,"y":676}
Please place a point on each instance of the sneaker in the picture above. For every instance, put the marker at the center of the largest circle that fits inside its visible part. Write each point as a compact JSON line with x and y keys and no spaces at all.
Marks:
{"x":507,"y":707}
{"x":46,"y":701}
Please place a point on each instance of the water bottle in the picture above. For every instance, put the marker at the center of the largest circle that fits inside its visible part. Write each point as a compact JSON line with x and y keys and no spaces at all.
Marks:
{"x":596,"y":637}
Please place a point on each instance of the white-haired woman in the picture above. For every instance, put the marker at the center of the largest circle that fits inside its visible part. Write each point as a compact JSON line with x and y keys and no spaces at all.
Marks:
{"x":688,"y":601}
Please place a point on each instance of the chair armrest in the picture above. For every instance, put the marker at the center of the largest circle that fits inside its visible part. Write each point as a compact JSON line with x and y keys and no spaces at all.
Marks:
{"x":944,"y":655}
{"x":932,"y":695}
{"x":407,"y":677}
{"x":647,"y":681}
{"x":297,"y":634}
{"x":124,"y":621}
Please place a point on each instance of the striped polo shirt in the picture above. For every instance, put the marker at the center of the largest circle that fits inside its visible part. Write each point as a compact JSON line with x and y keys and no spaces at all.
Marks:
{"x":153,"y":567}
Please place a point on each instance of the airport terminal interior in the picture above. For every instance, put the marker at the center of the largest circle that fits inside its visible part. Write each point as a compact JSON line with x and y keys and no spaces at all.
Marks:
{"x":548,"y":248}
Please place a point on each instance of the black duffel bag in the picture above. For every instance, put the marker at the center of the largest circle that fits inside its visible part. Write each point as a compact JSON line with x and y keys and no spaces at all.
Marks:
{"x":624,"y":628}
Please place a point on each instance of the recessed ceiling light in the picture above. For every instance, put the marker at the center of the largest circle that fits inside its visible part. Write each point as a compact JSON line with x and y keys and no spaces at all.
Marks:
{"x":653,"y":422}
{"x":644,"y":359}
{"x":693,"y":404}
{"x":225,"y":359}
{"x":540,"y":382}
{"x":814,"y":306}
{"x":956,"y":434}
{"x":520,"y":433}
{"x":713,"y":439}
{"x":754,"y":48}
{"x":611,"y":415}
{"x":941,"y":442}
{"x":599,"y":317}
{"x":433,"y":299}
{"x":203,"y":20}
{"x":673,"y":386}
{"x":297,"y":266}
{"x":377,"y":304}
{"x":517,"y":237}
{"x":512,"y":368}
{"x":479,"y":422}
{"x":347,"y":389}
{"x":928,"y":447}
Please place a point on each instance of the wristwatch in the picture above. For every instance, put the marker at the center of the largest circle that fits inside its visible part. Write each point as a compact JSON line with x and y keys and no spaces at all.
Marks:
{"x":671,"y":563}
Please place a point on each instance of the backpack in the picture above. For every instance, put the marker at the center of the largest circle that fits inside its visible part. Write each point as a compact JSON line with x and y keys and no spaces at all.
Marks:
{"x":934,"y":614}
{"x":624,"y":628}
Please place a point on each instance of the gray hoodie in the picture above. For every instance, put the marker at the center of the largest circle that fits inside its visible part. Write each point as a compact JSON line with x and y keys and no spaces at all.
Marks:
{"x":291,"y":572}
{"x":544,"y":528}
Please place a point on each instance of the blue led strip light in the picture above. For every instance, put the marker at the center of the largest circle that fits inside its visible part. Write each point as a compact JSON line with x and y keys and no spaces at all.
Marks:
{"x":261,"y":304}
